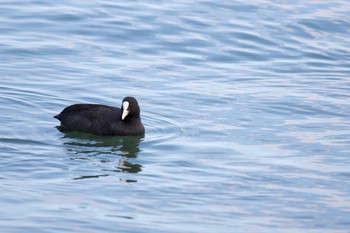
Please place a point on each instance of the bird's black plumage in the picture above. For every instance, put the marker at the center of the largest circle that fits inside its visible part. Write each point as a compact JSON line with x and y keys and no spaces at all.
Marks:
{"x":102,"y":120}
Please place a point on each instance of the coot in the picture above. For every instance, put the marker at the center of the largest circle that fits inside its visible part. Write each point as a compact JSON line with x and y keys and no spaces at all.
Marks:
{"x":103,"y":120}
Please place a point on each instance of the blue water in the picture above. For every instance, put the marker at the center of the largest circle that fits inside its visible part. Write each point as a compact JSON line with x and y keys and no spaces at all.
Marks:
{"x":245,"y":104}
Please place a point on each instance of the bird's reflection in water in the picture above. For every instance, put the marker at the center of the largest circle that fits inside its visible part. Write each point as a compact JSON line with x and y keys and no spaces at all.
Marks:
{"x":107,"y":149}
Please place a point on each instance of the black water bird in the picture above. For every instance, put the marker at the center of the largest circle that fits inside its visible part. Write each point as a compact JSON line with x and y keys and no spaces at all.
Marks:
{"x":103,"y":120}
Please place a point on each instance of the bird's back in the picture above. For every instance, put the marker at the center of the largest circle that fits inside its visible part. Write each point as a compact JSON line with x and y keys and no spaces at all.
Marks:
{"x":90,"y":118}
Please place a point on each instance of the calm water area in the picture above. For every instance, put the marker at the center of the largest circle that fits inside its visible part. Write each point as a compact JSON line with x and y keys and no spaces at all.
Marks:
{"x":245,"y":104}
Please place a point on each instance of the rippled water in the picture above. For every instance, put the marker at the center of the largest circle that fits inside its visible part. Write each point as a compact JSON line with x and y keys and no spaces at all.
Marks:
{"x":245,"y":104}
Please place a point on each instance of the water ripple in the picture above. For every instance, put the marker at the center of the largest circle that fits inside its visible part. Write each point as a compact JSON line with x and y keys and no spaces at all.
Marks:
{"x":245,"y":106}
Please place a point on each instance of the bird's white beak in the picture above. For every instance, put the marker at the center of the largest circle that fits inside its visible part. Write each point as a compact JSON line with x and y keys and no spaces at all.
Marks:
{"x":125,"y":109}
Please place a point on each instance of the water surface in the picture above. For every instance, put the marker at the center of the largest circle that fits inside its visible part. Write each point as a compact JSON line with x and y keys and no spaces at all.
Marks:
{"x":245,"y":105}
